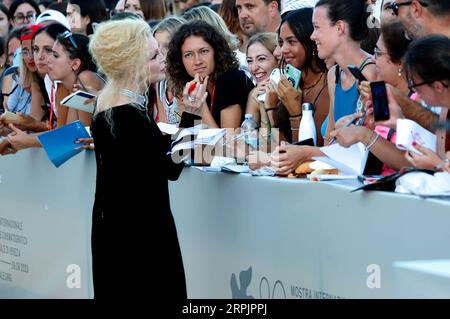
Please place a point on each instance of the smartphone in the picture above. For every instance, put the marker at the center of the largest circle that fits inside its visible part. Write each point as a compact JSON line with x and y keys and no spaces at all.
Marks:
{"x":261,"y":97}
{"x":379,"y":101}
{"x":356,"y":72}
{"x":308,"y":141}
{"x":293,"y":75}
{"x":275,"y":76}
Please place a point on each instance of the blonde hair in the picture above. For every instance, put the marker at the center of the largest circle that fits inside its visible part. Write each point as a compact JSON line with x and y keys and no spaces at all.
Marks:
{"x":120,"y":50}
{"x":266,"y":39}
{"x":26,"y":77}
{"x":209,"y":16}
{"x":169,"y":24}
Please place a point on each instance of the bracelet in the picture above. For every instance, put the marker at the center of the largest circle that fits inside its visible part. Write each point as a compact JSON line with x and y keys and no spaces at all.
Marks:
{"x":295,"y":116}
{"x":294,"y":129}
{"x":373,"y":141}
{"x":270,"y":109}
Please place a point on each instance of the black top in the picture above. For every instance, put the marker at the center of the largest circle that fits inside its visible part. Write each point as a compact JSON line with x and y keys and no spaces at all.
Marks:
{"x":231,"y":88}
{"x":132,"y":220}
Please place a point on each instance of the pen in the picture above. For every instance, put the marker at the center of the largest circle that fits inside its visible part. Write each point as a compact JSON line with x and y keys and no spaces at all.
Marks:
{"x":355,"y":121}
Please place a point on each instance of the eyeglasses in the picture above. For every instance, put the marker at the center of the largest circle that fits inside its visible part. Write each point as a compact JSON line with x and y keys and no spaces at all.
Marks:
{"x":378,"y":53}
{"x":20,"y":18}
{"x":69,"y":35}
{"x":412,"y":86}
{"x":395,"y":5}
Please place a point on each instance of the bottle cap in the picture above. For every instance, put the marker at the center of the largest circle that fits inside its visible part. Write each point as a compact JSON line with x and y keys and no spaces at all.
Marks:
{"x":307,"y":107}
{"x":249,"y":116}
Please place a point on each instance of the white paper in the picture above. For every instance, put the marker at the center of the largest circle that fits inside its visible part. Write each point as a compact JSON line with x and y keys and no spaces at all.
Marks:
{"x":169,"y":129}
{"x":409,"y":131}
{"x":350,"y":161}
{"x":210,"y":136}
{"x":76,"y":100}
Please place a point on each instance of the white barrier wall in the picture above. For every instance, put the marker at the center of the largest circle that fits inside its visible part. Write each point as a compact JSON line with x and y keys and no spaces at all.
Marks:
{"x":45,"y":226}
{"x":240,"y":236}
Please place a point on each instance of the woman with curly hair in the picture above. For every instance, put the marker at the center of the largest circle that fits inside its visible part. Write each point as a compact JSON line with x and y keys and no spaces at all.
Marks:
{"x":197,"y":51}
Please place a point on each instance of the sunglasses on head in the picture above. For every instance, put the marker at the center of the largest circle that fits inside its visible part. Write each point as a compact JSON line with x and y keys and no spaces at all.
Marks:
{"x":69,"y":35}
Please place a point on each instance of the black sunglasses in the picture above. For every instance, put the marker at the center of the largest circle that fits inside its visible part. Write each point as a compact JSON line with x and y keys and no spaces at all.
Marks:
{"x":394,"y":6}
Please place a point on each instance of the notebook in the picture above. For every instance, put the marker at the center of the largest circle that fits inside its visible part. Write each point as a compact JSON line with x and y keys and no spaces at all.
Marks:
{"x":409,"y":131}
{"x":60,"y":144}
{"x":76,"y":100}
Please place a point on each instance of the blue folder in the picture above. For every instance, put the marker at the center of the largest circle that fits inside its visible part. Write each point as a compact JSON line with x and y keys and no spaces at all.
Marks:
{"x":60,"y":144}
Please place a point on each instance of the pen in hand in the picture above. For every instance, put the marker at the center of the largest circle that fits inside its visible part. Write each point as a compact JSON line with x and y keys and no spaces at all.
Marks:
{"x":356,"y":121}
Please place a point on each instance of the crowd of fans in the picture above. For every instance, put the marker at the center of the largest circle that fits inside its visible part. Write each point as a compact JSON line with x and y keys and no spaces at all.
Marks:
{"x":232,"y":47}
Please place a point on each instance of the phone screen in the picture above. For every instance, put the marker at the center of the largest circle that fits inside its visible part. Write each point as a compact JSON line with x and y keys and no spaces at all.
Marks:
{"x":379,"y":101}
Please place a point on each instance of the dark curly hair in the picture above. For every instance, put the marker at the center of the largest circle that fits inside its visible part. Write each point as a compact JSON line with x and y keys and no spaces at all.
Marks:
{"x":224,"y":58}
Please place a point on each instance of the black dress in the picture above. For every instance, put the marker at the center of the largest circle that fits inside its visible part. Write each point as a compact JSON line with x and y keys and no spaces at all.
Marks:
{"x":135,"y":249}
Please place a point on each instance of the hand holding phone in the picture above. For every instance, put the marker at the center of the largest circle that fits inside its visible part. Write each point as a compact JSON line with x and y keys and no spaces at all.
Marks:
{"x":275,"y":76}
{"x":379,"y":101}
{"x":293,"y":75}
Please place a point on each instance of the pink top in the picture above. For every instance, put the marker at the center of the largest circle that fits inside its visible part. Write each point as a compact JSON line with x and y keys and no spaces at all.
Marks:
{"x":384,"y":132}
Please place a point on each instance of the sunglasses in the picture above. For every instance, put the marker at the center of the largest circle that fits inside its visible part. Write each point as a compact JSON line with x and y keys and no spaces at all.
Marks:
{"x":394,"y":6}
{"x":69,"y":35}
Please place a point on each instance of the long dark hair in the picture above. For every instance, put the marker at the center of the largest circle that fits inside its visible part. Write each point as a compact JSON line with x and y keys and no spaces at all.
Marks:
{"x":354,"y":12}
{"x":81,"y":51}
{"x":224,"y":58}
{"x":300,"y":22}
{"x":429,"y":58}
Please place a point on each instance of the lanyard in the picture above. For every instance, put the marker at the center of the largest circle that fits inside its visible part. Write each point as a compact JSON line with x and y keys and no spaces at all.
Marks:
{"x":52,"y":105}
{"x":213,"y":90}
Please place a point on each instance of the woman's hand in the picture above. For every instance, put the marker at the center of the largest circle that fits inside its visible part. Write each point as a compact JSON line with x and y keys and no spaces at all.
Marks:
{"x":258,"y":159}
{"x":290,"y":97}
{"x":348,"y":135}
{"x":21,"y":140}
{"x":429,"y":159}
{"x":6,"y":148}
{"x":271,"y":100}
{"x":194,"y":98}
{"x":88,"y":143}
{"x":26,"y":122}
{"x":259,"y":90}
{"x":287,"y":158}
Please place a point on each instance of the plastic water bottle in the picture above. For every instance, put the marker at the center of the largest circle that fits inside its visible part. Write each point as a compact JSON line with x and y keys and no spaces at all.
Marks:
{"x":307,"y":127}
{"x":250,"y":130}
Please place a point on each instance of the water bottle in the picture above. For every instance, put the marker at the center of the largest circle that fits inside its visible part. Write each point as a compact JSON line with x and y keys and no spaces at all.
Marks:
{"x":250,"y":130}
{"x":307,"y":127}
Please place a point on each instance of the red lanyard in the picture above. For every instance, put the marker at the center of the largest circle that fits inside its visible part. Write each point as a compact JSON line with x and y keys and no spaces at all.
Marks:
{"x":213,"y":90}
{"x":52,"y":105}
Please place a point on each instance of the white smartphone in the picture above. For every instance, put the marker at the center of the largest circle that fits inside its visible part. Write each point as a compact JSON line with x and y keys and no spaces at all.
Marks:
{"x":261,"y":97}
{"x":275,"y":76}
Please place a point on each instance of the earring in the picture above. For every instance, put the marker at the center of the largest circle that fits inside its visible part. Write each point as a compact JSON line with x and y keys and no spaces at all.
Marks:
{"x":400,"y":72}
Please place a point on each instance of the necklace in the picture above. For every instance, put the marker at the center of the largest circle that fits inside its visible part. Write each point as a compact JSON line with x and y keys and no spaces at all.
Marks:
{"x":318,"y":80}
{"x":140,"y":99}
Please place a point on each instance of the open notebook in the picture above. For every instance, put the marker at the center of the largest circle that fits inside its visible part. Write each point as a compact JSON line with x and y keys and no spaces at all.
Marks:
{"x":77,"y":99}
{"x":351,"y":161}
